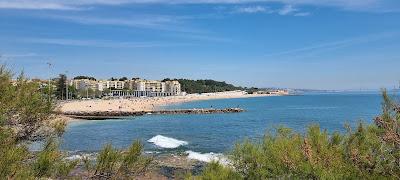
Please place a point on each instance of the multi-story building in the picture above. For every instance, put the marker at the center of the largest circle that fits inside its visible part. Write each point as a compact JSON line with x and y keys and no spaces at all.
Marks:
{"x":173,"y":87}
{"x":136,"y":87}
{"x":154,"y":86}
{"x":84,"y":84}
{"x":115,"y":84}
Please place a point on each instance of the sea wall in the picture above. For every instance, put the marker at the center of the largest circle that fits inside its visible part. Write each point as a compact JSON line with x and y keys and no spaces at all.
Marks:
{"x":99,"y":115}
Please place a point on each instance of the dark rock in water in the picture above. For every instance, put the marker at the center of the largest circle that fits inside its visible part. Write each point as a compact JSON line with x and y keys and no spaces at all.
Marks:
{"x":101,"y":115}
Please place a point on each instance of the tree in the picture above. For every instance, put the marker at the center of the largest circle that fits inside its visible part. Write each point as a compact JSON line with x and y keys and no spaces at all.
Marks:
{"x":61,"y":85}
{"x":23,"y":106}
{"x":106,"y":91}
{"x":72,"y":92}
{"x":113,"y":79}
{"x":123,"y":79}
{"x":204,"y":86}
{"x":85,"y":77}
{"x":26,"y":115}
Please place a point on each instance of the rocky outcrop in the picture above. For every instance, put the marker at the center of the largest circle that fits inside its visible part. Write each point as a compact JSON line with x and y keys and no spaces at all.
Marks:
{"x":100,"y":115}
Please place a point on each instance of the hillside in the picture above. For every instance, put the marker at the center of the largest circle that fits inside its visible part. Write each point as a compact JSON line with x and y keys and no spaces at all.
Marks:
{"x":205,"y":86}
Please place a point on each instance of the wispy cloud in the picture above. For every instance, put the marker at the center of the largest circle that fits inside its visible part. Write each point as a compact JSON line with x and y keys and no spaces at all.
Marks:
{"x":100,"y":43}
{"x":156,"y":22}
{"x":22,"y":55}
{"x":302,"y":14}
{"x":336,"y":44}
{"x":287,"y":9}
{"x":171,"y":24}
{"x":202,"y":37}
{"x":251,"y":9}
{"x":358,"y":5}
{"x":36,"y":5}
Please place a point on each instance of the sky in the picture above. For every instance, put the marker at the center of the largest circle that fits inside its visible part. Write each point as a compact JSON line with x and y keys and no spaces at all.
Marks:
{"x":313,"y":44}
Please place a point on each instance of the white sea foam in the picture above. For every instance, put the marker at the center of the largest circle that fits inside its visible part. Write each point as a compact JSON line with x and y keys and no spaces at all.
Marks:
{"x":208,"y":157}
{"x":166,"y":142}
{"x":73,"y":157}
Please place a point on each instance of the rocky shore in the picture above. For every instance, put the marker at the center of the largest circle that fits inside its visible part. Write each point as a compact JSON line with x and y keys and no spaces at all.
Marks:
{"x":100,"y":115}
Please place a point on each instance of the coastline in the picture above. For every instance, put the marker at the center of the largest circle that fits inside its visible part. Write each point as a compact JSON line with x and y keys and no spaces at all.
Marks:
{"x":145,"y":104}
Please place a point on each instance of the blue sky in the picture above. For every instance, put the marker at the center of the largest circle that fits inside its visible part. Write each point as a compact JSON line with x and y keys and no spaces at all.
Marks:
{"x":319,"y":44}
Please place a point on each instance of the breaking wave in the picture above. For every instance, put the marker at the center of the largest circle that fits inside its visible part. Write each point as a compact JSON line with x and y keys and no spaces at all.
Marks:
{"x":166,"y":142}
{"x":208,"y":157}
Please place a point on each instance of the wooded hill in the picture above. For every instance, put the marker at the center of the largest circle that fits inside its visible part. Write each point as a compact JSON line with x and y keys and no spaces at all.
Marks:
{"x":205,"y":86}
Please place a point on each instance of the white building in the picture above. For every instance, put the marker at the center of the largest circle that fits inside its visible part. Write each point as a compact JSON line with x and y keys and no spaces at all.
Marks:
{"x":173,"y":87}
{"x":135,"y":88}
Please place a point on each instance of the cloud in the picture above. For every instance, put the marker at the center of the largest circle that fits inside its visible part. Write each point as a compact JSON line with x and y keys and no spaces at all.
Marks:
{"x":19,"y":55}
{"x":100,"y":43}
{"x":336,"y":44}
{"x":287,"y":9}
{"x":154,"y":22}
{"x":17,"y":4}
{"x":302,"y":14}
{"x":357,"y":5}
{"x":251,"y":9}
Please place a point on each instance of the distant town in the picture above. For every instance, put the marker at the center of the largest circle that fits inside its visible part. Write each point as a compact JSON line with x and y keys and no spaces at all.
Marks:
{"x":86,"y":87}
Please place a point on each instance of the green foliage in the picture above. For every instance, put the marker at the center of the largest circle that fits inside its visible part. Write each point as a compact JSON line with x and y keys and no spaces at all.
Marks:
{"x":133,"y":162}
{"x":61,"y":85}
{"x":216,"y":171}
{"x":368,"y":152}
{"x":114,"y":163}
{"x":12,"y":156}
{"x":25,"y":116}
{"x":23,"y":107}
{"x":85,"y":77}
{"x":107,"y":161}
{"x":123,"y":79}
{"x":49,"y":162}
{"x":205,"y":86}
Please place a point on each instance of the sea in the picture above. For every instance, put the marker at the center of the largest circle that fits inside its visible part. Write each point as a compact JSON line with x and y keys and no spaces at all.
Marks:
{"x":204,"y":136}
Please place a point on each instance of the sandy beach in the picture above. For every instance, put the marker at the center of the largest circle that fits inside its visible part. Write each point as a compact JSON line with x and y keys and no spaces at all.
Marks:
{"x":145,"y":104}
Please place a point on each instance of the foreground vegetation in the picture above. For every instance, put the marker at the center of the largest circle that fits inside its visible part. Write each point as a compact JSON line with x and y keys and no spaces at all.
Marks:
{"x":26,"y":115}
{"x":367,"y":152}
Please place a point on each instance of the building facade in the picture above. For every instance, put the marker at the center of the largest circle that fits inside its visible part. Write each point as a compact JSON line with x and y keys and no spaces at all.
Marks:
{"x":134,"y":88}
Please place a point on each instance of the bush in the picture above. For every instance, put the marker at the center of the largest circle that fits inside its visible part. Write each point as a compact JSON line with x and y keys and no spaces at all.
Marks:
{"x":113,"y":163}
{"x":368,"y":152}
{"x":49,"y":162}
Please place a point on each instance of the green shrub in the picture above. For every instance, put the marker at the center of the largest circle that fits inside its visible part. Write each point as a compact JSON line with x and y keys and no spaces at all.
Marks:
{"x":113,"y":163}
{"x":216,"y":171}
{"x":368,"y":152}
{"x":50,"y":163}
{"x":107,"y":161}
{"x":134,"y":162}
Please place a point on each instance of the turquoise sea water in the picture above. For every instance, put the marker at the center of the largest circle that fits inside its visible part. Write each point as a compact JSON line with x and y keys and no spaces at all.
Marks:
{"x":219,"y":132}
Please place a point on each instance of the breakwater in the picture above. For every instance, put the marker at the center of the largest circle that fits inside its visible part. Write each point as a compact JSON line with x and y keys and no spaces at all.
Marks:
{"x":101,"y":115}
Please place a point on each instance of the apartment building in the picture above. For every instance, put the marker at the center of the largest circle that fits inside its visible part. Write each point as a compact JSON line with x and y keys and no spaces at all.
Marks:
{"x":135,"y":88}
{"x":84,"y":84}
{"x":173,"y":87}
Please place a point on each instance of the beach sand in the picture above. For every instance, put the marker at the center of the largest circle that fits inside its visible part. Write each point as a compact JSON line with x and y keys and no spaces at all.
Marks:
{"x":145,"y":104}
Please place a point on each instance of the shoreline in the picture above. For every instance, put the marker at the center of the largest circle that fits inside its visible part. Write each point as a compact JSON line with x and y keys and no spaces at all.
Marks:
{"x":146,"y":104}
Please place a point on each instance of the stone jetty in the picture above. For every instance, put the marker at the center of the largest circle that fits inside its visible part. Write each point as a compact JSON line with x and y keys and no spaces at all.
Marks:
{"x":101,"y":115}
